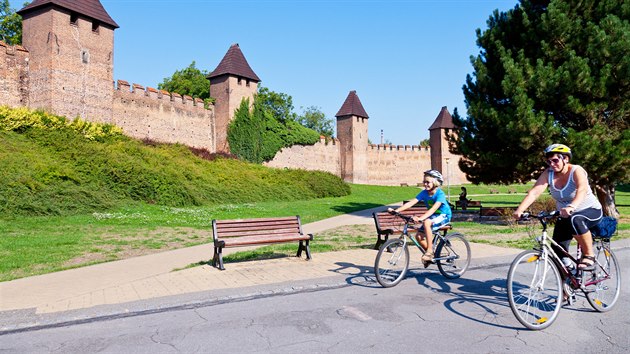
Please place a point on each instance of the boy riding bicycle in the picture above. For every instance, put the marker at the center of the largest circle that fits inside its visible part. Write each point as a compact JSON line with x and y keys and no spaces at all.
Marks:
{"x":438,"y":213}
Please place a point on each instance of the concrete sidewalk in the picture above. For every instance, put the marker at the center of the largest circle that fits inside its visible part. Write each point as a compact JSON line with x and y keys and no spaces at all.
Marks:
{"x":130,"y":284}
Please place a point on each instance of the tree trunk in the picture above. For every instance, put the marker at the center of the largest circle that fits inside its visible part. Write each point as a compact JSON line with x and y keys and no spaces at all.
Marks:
{"x":606,"y":196}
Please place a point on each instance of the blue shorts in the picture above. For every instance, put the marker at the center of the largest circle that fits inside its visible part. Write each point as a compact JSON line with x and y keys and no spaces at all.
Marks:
{"x":439,"y":220}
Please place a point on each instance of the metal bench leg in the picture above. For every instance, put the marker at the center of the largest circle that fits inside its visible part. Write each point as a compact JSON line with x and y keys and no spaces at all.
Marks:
{"x":380,"y":241}
{"x":218,"y":258}
{"x":306,"y":249}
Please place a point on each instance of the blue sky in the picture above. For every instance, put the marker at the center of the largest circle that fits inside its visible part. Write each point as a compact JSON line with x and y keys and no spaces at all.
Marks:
{"x":405,"y":59}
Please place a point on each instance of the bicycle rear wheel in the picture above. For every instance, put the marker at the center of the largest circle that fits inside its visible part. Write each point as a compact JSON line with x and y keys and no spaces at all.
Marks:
{"x":534,"y":290}
{"x":604,"y":283}
{"x":392,"y":263}
{"x":453,"y":255}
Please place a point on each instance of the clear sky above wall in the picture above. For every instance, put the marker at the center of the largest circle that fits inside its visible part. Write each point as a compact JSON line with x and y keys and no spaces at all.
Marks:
{"x":405,"y":58}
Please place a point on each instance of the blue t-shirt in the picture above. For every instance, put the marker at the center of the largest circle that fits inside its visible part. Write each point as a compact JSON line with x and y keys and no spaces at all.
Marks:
{"x":438,"y":196}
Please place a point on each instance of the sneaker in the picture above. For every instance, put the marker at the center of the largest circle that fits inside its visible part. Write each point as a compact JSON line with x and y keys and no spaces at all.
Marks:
{"x":427,"y":259}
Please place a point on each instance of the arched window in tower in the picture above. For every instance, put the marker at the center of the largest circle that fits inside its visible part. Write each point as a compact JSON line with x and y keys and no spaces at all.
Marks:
{"x":95,"y":26}
{"x":74,"y":19}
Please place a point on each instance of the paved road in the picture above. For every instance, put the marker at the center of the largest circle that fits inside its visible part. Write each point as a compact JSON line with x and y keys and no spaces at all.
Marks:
{"x":425,"y":313}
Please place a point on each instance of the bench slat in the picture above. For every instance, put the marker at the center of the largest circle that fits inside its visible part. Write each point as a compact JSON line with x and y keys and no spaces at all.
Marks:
{"x":263,"y":239}
{"x":257,"y":220}
{"x":239,"y":233}
{"x":233,"y":227}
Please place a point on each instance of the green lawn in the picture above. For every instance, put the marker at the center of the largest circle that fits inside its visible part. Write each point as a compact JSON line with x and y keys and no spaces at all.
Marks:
{"x":39,"y":245}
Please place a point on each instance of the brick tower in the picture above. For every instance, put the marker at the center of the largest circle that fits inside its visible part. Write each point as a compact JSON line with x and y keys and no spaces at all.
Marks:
{"x":71,"y":46}
{"x":441,"y":158}
{"x":352,"y":132}
{"x":232,"y":81}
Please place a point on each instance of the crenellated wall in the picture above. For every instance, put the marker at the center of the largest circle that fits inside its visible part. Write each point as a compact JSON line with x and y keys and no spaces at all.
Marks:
{"x":323,"y":156}
{"x":393,"y":165}
{"x":163,"y":116}
{"x":387,"y":164}
{"x":14,"y":75}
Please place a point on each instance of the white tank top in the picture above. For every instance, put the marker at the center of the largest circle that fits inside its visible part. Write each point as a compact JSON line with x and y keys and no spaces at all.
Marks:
{"x":566,"y":195}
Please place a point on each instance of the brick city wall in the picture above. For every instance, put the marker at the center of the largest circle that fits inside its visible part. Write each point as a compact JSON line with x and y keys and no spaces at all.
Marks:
{"x":323,"y":156}
{"x":14,"y":75}
{"x":393,"y":165}
{"x":163,"y":116}
{"x":387,"y":165}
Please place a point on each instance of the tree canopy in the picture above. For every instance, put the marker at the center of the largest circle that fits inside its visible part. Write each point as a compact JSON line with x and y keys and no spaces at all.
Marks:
{"x":549,"y":72}
{"x":188,"y":81}
{"x":278,"y":103}
{"x":10,"y":24}
{"x":314,"y":118}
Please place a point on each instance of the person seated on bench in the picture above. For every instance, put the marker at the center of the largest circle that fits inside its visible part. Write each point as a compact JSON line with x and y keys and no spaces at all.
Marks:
{"x":438,"y":213}
{"x":463,"y":198}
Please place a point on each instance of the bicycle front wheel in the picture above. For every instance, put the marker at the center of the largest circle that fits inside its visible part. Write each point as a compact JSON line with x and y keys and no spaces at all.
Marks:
{"x":453,"y":255}
{"x":392,"y":262}
{"x":534,"y":290}
{"x":603,"y":284}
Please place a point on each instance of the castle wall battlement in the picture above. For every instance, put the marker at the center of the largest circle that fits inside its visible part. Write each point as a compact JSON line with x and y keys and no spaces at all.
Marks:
{"x":390,"y":147}
{"x":148,"y":113}
{"x":14,"y":75}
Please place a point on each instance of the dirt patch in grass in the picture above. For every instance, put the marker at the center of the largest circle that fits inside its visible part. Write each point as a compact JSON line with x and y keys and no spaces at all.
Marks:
{"x":110,"y":246}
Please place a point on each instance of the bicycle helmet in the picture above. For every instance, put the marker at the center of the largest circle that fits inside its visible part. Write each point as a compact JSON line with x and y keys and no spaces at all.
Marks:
{"x":435,"y":174}
{"x":558,"y":149}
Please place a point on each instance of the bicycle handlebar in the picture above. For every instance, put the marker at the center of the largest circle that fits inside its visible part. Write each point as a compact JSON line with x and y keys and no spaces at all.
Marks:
{"x":542,"y":216}
{"x":404,"y":217}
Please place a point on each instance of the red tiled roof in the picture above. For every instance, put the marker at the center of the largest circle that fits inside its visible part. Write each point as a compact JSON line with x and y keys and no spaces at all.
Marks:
{"x":444,"y":120}
{"x":234,"y":63}
{"x":352,"y":107}
{"x":90,"y":8}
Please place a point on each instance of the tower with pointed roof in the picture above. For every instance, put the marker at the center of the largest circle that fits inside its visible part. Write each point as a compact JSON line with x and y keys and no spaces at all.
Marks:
{"x":232,"y":81}
{"x":438,"y":131}
{"x":352,"y":132}
{"x":71,"y":46}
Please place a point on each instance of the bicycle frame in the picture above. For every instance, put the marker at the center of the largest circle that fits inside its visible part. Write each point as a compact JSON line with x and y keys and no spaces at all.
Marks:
{"x":577,"y":280}
{"x":437,"y":237}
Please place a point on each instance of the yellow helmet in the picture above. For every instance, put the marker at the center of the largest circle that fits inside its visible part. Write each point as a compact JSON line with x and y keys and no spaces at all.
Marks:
{"x":558,"y":149}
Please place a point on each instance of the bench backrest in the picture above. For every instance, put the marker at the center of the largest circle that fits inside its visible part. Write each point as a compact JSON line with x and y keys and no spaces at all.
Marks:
{"x":282,"y":226}
{"x":387,"y":221}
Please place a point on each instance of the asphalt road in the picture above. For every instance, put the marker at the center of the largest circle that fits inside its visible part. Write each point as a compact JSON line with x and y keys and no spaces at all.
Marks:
{"x":425,"y":313}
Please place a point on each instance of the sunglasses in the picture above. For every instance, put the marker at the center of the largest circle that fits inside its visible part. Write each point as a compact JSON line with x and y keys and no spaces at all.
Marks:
{"x":555,"y":160}
{"x":426,"y":182}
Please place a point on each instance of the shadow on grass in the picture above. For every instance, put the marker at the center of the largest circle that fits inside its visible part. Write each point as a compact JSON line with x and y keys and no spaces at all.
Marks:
{"x":352,"y":207}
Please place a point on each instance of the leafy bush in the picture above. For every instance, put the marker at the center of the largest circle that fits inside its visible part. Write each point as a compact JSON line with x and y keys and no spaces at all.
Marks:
{"x":21,"y":119}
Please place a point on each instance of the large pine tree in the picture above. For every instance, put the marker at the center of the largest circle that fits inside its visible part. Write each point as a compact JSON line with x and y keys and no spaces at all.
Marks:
{"x":550,"y":72}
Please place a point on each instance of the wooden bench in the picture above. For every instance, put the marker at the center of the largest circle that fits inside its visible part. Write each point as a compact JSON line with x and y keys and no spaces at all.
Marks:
{"x":247,"y":232}
{"x":388,"y":224}
{"x":470,"y":204}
